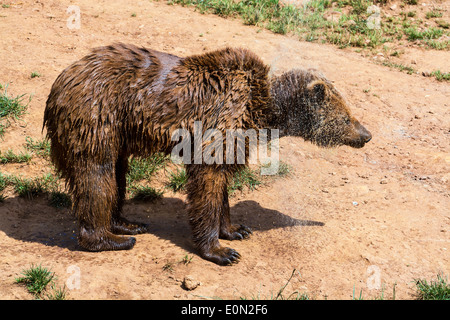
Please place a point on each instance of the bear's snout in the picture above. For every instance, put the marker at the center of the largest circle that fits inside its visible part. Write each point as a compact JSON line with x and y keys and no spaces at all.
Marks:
{"x":364,"y":135}
{"x":359,"y":137}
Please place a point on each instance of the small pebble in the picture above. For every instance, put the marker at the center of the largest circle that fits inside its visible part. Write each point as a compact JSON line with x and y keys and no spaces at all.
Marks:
{"x":189,"y":283}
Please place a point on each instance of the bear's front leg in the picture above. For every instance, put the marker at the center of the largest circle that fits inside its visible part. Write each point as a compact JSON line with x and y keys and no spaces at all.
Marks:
{"x":206,"y":190}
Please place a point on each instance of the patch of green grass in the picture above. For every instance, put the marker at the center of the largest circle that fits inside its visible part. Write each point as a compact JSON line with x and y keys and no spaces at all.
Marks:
{"x":311,"y":21}
{"x":443,"y":24}
{"x":3,"y":185}
{"x":283,"y":169}
{"x":58,"y":199}
{"x":39,"y":147}
{"x":434,"y":13}
{"x":144,"y":168}
{"x":186,"y":260}
{"x":401,"y":67}
{"x":10,"y":157}
{"x":147,"y":194}
{"x":431,"y":33}
{"x":28,"y":188}
{"x":244,"y":178}
{"x":177,"y":180}
{"x":359,"y":7}
{"x":270,"y":14}
{"x":35,"y":74}
{"x":438,"y":45}
{"x":11,"y":108}
{"x":56,"y":293}
{"x":32,"y":187}
{"x":441,"y":76}
{"x":3,"y":181}
{"x":168,"y":266}
{"x":36,"y":279}
{"x":434,"y":290}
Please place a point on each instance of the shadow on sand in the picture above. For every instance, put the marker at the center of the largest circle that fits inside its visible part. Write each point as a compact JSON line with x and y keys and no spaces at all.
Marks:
{"x":35,"y":221}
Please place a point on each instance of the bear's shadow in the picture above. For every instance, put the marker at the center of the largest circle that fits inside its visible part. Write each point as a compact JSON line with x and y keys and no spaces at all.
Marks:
{"x":35,"y":221}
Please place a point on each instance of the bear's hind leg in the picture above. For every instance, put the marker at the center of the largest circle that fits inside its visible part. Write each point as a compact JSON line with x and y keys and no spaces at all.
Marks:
{"x":120,"y":225}
{"x":95,"y":197}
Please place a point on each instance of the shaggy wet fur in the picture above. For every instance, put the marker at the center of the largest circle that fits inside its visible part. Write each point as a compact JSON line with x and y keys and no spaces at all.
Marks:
{"x":122,"y":100}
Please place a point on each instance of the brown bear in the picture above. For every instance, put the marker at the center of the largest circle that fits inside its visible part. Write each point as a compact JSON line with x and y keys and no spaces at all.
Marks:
{"x":122,"y":100}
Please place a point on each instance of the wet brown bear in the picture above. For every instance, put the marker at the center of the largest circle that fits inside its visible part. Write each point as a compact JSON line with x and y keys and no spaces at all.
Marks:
{"x":121,"y":100}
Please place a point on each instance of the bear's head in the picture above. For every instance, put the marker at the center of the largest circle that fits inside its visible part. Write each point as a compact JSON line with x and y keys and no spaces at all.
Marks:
{"x":309,"y":106}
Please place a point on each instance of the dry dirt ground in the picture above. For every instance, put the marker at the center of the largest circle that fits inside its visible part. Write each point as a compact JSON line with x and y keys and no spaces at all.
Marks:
{"x":346,"y":220}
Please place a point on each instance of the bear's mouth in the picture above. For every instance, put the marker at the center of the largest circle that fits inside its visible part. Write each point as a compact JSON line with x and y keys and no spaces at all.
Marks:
{"x":359,"y":143}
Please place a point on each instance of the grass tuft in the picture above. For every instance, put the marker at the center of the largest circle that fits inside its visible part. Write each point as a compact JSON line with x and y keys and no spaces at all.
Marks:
{"x":3,"y":185}
{"x":36,"y":279}
{"x":10,"y":157}
{"x":435,"y":290}
{"x":39,"y":147}
{"x":144,"y":168}
{"x":11,"y":108}
{"x":177,"y":180}
{"x":58,"y":199}
{"x":30,"y":188}
{"x":147,"y":194}
{"x":244,"y":178}
{"x":441,"y":76}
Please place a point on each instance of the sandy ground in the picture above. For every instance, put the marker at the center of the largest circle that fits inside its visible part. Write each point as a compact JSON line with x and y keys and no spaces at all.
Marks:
{"x":346,"y":220}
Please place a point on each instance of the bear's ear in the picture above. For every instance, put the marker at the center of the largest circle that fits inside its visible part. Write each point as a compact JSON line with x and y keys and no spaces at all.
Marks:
{"x":317,"y":90}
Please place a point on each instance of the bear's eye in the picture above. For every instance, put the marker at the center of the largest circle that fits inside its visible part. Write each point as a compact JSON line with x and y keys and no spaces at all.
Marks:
{"x":347,"y":121}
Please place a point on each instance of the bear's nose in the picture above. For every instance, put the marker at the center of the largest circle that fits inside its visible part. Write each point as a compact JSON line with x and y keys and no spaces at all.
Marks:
{"x":367,"y":136}
{"x":364,"y":134}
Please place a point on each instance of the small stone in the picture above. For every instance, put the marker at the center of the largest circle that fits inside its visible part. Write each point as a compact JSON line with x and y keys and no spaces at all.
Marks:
{"x":393,"y":7}
{"x":189,"y":283}
{"x":383,"y":181}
